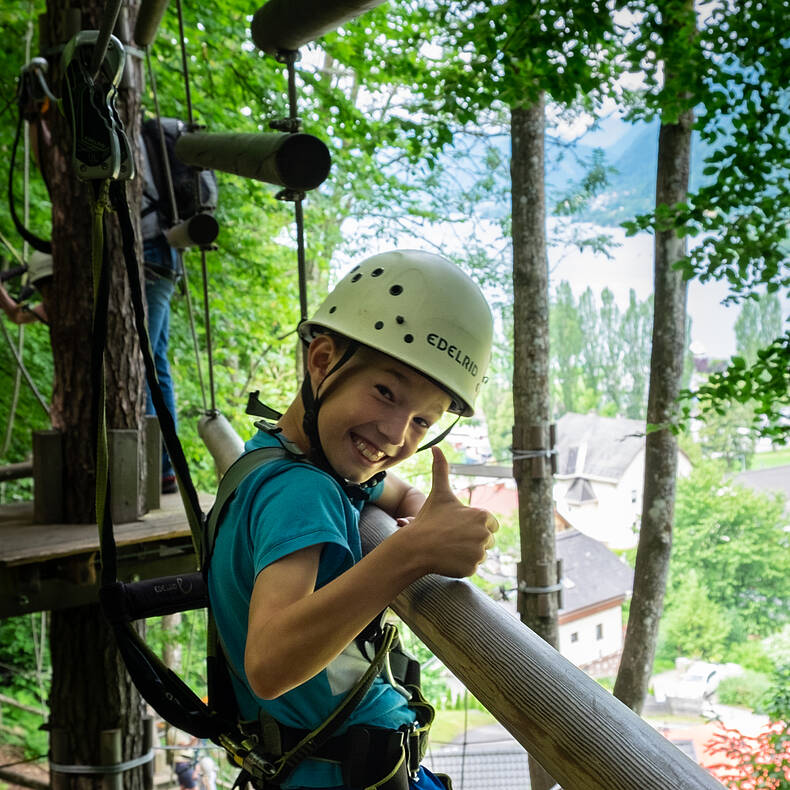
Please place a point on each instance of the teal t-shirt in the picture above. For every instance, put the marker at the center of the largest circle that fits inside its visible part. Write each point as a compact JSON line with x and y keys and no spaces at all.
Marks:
{"x":281,"y":507}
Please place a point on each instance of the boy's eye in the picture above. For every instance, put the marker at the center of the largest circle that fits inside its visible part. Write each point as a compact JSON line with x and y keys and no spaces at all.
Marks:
{"x":385,"y":391}
{"x":424,"y":424}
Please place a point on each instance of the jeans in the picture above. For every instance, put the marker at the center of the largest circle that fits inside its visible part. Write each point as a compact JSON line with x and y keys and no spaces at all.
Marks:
{"x":158,"y":290}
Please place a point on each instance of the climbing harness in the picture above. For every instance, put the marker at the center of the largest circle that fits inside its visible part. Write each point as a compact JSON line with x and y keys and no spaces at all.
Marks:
{"x":284,"y":747}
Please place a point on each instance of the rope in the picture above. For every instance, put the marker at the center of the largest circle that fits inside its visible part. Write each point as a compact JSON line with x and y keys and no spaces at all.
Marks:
{"x":207,"y":319}
{"x":171,"y":193}
{"x":292,"y":124}
{"x":114,"y":768}
{"x":293,"y":117}
{"x":174,"y":211}
{"x":15,"y":391}
{"x":39,"y":644}
{"x":21,"y":366}
{"x":204,"y":268}
{"x":184,"y":64}
{"x":100,"y":268}
{"x":25,"y":761}
{"x":111,"y":11}
{"x":520,"y":455}
{"x":191,"y":315}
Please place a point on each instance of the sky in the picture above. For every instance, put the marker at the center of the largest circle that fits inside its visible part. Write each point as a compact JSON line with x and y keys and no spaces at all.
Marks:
{"x":712,"y":324}
{"x":631,"y":266}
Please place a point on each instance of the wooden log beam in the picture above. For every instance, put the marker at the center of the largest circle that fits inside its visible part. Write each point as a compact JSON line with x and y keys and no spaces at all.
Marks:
{"x":294,"y":161}
{"x":5,"y":700}
{"x":581,"y":734}
{"x":286,"y":25}
{"x":15,"y":778}
{"x":16,"y":471}
{"x":149,"y":18}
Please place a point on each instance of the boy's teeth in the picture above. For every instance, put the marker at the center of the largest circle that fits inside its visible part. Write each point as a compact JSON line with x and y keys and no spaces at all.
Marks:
{"x":368,"y":451}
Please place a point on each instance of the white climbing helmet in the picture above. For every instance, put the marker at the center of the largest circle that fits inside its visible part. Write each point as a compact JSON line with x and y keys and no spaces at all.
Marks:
{"x":39,"y":266}
{"x":420,"y":309}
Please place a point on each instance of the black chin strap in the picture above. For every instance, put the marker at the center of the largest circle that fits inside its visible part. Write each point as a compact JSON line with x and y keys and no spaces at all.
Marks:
{"x":441,"y":436}
{"x":312,"y":405}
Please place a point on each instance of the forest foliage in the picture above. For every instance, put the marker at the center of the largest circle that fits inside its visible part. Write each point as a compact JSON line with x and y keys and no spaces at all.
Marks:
{"x":412,"y":102}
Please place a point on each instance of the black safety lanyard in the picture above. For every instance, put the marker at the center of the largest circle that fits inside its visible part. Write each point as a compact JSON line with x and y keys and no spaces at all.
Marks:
{"x":195,"y":516}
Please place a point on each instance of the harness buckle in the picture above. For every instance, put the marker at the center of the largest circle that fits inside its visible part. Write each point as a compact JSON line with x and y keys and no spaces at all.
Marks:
{"x":411,"y":743}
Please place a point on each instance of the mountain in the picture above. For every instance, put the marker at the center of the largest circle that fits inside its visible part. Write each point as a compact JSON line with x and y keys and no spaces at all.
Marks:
{"x":632,"y":152}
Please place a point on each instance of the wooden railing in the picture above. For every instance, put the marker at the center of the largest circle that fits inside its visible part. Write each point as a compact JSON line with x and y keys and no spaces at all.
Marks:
{"x":584,"y":737}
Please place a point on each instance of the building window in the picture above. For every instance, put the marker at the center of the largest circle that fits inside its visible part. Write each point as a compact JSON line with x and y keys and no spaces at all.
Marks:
{"x":633,"y":495}
{"x":575,"y":636}
{"x":599,"y":631}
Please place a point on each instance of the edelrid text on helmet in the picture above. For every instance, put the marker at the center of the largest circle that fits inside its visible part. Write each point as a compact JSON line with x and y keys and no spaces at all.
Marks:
{"x":464,"y":360}
{"x":420,"y":309}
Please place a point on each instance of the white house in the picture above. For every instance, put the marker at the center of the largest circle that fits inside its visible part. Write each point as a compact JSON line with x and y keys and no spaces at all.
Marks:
{"x":595,"y":582}
{"x":600,"y":470}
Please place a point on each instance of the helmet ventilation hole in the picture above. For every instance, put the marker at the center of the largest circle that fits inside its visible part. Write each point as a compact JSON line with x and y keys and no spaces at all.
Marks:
{"x":377,"y":272}
{"x":400,"y":319}
{"x":333,"y":308}
{"x":379,"y":325}
{"x":408,"y":338}
{"x":396,"y":290}
{"x":357,"y":276}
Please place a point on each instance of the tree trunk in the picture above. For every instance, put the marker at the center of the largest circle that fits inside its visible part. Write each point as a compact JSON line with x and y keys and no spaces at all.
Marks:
{"x":531,"y":381}
{"x":91,"y":691}
{"x":661,"y":450}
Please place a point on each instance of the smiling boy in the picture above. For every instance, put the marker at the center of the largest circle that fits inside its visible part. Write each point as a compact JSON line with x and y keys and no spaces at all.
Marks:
{"x":290,"y":590}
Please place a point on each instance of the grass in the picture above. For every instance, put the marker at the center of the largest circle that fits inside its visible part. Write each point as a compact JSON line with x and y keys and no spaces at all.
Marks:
{"x":449,"y":724}
{"x":767,"y":460}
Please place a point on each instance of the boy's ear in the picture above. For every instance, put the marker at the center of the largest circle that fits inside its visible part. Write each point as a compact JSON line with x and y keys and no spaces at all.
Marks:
{"x":321,"y":355}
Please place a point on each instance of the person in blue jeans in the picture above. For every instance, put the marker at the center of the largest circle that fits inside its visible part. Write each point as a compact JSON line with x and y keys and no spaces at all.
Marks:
{"x":161,"y":266}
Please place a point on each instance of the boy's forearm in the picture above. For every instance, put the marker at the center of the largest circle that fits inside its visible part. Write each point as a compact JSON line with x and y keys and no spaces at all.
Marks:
{"x":399,"y":499}
{"x":300,"y":640}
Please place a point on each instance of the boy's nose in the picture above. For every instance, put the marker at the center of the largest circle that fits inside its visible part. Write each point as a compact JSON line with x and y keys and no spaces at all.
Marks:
{"x":394,"y":429}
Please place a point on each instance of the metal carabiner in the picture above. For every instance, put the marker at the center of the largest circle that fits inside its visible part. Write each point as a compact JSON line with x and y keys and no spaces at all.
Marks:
{"x":100,"y":148}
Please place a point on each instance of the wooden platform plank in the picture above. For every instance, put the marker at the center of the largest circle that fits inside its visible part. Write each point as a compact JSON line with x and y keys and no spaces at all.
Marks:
{"x":22,"y":542}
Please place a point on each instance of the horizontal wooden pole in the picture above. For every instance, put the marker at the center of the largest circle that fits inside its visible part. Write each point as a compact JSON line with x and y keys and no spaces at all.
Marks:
{"x":584,"y":737}
{"x":149,"y":17}
{"x":16,"y":778}
{"x":14,"y":704}
{"x":286,"y":25}
{"x":294,"y":161}
{"x":16,"y":471}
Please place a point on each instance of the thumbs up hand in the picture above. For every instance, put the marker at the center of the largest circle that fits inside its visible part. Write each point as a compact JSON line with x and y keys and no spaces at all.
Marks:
{"x":451,"y":537}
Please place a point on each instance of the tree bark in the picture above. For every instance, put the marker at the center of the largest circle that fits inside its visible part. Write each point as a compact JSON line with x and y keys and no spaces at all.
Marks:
{"x":661,"y":450}
{"x":91,"y":691}
{"x":531,"y":381}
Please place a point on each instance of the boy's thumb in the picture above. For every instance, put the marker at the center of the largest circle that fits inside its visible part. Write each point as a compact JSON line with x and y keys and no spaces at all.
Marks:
{"x":440,"y":472}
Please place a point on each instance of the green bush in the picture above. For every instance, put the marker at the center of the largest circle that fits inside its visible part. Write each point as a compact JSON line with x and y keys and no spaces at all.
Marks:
{"x":751,"y":655}
{"x":24,"y":677}
{"x":693,"y":625}
{"x":746,"y":690}
{"x":607,"y":683}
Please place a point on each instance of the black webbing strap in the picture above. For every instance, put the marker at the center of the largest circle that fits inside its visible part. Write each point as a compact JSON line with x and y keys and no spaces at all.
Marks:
{"x":186,"y":487}
{"x":37,"y":243}
{"x":315,"y":739}
{"x":159,"y":685}
{"x":231,"y":480}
